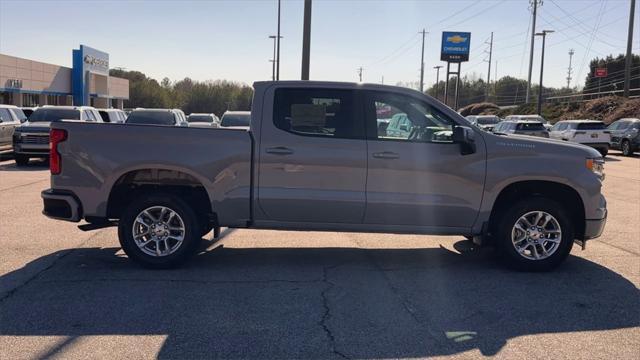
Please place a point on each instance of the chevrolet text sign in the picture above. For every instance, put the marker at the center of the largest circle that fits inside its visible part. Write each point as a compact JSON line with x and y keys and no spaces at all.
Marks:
{"x":455,"y":46}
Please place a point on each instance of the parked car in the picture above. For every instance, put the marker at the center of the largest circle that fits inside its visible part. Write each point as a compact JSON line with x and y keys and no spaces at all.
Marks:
{"x":10,"y":118}
{"x":625,"y":135}
{"x":166,"y":117}
{"x":31,"y":139}
{"x":521,"y":127}
{"x":485,"y":122}
{"x":236,"y":119}
{"x":313,"y":159}
{"x":203,"y":120}
{"x":586,"y":132}
{"x":547,"y":125}
{"x":113,"y":115}
{"x":28,"y":111}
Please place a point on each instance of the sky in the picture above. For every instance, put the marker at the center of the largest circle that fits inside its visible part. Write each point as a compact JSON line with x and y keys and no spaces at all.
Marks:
{"x":209,"y":40}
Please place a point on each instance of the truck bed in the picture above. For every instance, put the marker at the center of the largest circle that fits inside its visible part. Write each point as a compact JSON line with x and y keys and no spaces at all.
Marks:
{"x":96,"y":155}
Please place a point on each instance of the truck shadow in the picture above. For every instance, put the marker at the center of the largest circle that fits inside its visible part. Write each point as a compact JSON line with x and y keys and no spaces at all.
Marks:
{"x":313,"y":303}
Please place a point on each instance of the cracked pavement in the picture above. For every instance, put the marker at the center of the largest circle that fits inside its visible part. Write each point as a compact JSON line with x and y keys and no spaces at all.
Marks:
{"x":309,"y":295}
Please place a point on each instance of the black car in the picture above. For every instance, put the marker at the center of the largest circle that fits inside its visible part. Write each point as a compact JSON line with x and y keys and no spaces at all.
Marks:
{"x":625,"y":135}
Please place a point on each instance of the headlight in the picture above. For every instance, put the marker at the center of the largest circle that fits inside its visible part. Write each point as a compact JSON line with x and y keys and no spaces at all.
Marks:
{"x":596,"y":166}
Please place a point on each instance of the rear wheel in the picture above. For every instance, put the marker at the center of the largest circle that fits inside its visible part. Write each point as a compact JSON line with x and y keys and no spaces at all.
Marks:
{"x":159,"y":231}
{"x":21,"y":160}
{"x":535,"y":234}
{"x":626,"y":148}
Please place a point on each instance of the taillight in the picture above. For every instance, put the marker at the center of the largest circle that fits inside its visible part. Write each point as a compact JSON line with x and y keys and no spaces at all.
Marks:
{"x":56,"y":136}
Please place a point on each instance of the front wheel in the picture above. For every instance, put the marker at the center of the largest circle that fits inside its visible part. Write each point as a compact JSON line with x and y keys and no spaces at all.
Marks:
{"x":626,"y":148}
{"x":159,"y":231}
{"x":535,"y":234}
{"x":603,"y":151}
{"x":21,"y":160}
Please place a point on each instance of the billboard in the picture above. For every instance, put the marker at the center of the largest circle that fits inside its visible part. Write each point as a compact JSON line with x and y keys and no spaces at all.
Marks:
{"x":601,"y":72}
{"x":455,"y":46}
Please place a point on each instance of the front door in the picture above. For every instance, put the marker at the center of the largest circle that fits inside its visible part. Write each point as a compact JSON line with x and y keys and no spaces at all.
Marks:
{"x":313,"y":163}
{"x":417,"y":175}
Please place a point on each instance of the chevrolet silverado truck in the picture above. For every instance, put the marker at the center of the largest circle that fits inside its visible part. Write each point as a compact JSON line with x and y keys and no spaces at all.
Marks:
{"x":313,"y":158}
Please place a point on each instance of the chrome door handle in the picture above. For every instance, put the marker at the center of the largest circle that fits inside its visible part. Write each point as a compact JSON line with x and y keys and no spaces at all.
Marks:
{"x":279,"y":150}
{"x":386,"y":155}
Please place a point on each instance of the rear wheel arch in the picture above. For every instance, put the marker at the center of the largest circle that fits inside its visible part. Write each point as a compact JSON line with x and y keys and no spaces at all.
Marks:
{"x":563,"y":194}
{"x":138,"y":182}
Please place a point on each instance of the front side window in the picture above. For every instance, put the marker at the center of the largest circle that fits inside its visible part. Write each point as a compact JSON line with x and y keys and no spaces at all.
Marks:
{"x":88,"y":115}
{"x":317,"y":112}
{"x":411,"y":119}
{"x":19,"y":114}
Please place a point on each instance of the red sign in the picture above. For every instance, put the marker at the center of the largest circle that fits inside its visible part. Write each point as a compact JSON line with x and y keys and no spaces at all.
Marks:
{"x":601,"y":72}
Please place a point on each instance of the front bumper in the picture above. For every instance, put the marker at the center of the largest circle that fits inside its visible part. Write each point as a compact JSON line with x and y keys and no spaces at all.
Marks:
{"x":594,"y":228}
{"x":61,"y":205}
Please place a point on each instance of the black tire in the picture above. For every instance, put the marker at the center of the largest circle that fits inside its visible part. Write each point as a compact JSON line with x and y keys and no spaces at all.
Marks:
{"x":603,"y":151}
{"x":189,"y":244}
{"x":21,"y":160}
{"x":625,"y":147}
{"x":506,"y":223}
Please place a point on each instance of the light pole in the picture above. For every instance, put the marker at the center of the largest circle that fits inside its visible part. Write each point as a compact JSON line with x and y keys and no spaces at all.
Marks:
{"x":544,"y":35}
{"x":437,"y":78}
{"x":306,"y":40}
{"x":273,"y":66}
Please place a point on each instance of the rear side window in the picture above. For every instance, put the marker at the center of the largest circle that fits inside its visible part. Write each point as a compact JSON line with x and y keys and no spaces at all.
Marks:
{"x":89,"y":116}
{"x":105,"y":116}
{"x":530,"y":126}
{"x":591,"y":126}
{"x":5,"y":116}
{"x":317,"y":112}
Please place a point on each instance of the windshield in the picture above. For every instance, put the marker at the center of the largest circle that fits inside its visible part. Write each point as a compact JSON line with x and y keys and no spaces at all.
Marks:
{"x":151,"y":118}
{"x":53,"y":115}
{"x":235,"y":119}
{"x":488,"y":120}
{"x":200,"y":118}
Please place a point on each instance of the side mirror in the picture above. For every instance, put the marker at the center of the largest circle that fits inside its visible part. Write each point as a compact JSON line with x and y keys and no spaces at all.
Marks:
{"x":466,"y":138}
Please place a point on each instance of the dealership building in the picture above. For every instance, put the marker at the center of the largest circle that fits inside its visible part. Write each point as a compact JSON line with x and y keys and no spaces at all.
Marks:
{"x":30,"y":83}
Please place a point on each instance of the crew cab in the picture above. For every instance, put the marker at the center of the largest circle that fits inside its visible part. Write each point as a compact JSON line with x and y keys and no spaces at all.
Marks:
{"x":31,"y":139}
{"x":587,"y":132}
{"x":313,"y":159}
{"x":163,"y":117}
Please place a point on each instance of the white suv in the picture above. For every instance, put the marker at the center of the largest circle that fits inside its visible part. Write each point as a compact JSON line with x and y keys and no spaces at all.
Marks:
{"x":587,"y":132}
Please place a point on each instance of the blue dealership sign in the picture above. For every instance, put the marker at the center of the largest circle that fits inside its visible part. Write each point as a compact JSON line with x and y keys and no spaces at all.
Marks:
{"x":87,"y":61}
{"x":455,"y":46}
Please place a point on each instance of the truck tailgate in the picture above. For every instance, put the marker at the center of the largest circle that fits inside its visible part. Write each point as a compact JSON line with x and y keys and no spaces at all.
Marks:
{"x":96,"y":155}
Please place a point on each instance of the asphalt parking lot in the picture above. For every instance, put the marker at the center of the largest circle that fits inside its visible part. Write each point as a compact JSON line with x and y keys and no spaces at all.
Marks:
{"x":263,"y":294}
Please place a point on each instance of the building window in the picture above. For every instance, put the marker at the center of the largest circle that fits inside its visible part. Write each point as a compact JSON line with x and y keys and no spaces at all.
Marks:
{"x":53,"y":100}
{"x":30,"y":100}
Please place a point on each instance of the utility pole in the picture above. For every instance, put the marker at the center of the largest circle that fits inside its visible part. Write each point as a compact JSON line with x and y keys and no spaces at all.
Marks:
{"x":278,"y":41}
{"x":533,"y":3}
{"x":571,"y":52}
{"x":382,"y":82}
{"x":544,"y":36}
{"x":306,"y":40}
{"x":437,"y":78}
{"x":360,"y":73}
{"x":422,"y":63}
{"x":627,"y":63}
{"x":486,"y":96}
{"x":274,"y":60}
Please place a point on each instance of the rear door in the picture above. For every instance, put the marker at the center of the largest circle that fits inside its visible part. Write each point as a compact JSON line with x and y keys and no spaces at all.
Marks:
{"x":313,"y":164}
{"x":418,"y":177}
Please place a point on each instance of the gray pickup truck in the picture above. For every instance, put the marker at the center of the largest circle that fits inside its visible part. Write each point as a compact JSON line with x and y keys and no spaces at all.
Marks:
{"x":315,"y":159}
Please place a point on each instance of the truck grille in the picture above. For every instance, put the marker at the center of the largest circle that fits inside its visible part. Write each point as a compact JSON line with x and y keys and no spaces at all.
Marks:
{"x":35,"y":139}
